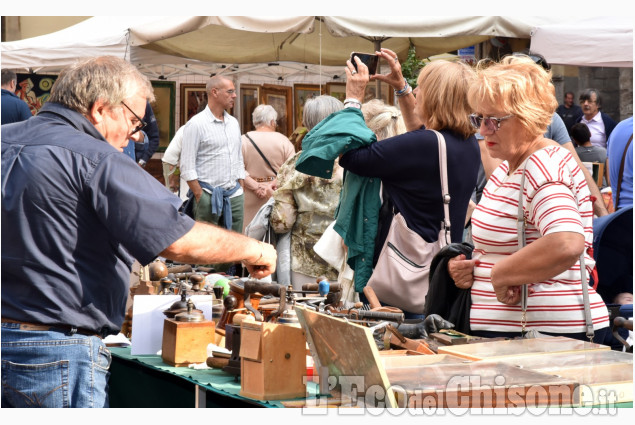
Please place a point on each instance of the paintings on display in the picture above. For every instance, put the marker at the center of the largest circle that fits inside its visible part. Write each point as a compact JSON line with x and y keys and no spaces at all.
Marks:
{"x":302,"y":93}
{"x":280,"y":97}
{"x":193,"y":96}
{"x":249,"y":99}
{"x":164,"y":111}
{"x":34,"y":89}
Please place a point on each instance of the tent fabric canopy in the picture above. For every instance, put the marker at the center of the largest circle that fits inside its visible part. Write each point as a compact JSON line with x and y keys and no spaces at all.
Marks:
{"x":249,"y":40}
{"x":599,"y":41}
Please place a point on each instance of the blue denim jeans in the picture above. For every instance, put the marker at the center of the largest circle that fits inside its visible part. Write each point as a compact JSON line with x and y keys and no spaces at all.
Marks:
{"x":53,"y":369}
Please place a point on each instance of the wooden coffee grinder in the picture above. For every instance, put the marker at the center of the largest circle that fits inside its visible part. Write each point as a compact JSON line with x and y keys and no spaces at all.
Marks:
{"x":186,"y":336}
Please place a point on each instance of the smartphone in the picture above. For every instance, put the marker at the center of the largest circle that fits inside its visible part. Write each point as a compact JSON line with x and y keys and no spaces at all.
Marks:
{"x":370,"y":60}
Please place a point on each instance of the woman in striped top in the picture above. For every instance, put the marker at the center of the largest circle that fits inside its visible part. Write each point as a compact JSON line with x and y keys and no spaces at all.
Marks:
{"x":514,"y":101}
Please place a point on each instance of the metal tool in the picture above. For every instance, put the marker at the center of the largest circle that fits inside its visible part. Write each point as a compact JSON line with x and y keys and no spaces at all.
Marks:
{"x":252,"y":287}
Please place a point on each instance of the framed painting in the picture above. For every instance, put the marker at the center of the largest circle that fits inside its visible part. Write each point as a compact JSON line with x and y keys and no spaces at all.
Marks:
{"x":192,"y":97}
{"x":34,"y":89}
{"x":164,"y":111}
{"x":386,"y":93}
{"x":337,"y":90}
{"x":249,"y":99}
{"x":301,"y":93}
{"x":280,"y":98}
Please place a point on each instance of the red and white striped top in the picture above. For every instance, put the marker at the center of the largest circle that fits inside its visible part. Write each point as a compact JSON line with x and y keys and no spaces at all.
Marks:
{"x":555,"y":199}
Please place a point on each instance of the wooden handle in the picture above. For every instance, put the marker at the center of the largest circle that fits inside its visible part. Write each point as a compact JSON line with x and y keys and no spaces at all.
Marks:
{"x":372,"y":298}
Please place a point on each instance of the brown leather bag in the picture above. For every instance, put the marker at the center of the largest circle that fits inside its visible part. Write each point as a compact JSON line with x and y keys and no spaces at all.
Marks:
{"x":402,"y":274}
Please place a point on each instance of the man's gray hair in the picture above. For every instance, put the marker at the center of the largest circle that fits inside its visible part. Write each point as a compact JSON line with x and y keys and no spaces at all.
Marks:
{"x":108,"y":78}
{"x":318,"y":108}
{"x":263,"y":115}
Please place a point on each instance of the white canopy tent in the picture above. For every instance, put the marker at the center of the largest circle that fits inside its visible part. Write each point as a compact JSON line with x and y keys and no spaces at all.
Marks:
{"x":603,"y":41}
{"x":193,"y":44}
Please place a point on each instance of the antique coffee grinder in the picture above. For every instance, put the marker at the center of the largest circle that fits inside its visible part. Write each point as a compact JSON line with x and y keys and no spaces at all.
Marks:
{"x":186,"y":336}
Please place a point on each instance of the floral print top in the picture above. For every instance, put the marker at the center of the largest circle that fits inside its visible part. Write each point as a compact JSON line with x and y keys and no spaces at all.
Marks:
{"x":305,"y":205}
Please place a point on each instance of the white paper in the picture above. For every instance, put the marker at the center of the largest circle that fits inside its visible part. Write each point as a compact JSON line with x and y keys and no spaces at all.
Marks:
{"x":148,"y":318}
{"x":118,"y":340}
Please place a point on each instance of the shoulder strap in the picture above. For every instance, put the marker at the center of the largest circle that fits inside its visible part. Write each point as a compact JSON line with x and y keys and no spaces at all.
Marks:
{"x":520,"y":227}
{"x":445,"y":191}
{"x":261,"y":154}
{"x":621,"y":173}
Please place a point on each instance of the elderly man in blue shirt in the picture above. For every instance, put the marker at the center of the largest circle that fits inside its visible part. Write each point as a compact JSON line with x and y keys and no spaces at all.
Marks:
{"x":75,"y":214}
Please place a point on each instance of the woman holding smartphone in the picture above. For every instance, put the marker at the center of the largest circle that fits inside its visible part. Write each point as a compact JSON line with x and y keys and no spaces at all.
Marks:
{"x":408,"y":164}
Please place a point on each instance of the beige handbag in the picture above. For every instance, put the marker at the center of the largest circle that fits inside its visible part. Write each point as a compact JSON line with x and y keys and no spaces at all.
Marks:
{"x":402,"y":274}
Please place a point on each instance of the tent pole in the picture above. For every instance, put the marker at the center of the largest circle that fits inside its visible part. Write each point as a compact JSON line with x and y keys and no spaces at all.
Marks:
{"x":377,"y":45}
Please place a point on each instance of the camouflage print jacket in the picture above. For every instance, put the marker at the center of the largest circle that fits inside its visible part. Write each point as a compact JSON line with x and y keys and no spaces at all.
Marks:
{"x":305,"y":205}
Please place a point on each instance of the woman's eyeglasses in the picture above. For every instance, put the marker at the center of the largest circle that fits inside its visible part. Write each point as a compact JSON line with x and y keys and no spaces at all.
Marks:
{"x":142,"y":124}
{"x":491,"y":123}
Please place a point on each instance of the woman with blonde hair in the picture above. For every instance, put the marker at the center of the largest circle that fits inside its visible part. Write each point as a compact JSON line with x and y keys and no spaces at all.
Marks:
{"x":540,"y":184}
{"x":408,"y":164}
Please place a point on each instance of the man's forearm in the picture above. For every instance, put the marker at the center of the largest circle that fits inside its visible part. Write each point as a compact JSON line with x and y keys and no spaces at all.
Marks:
{"x":208,"y":244}
{"x":195,"y":187}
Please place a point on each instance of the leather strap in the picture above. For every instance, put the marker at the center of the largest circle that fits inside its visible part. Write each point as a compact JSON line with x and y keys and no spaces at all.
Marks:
{"x":621,"y":173}
{"x":29,"y":326}
{"x":445,"y":192}
{"x":261,"y":154}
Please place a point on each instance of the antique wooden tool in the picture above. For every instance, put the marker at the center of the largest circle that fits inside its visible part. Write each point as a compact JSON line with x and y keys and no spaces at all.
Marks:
{"x":273,"y":361}
{"x":186,"y":336}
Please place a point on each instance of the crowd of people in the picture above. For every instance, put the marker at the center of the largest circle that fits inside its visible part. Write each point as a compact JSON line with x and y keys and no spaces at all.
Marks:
{"x":76,"y":212}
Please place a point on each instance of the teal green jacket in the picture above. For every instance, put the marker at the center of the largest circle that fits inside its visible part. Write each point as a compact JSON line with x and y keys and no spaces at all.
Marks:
{"x":357,"y":214}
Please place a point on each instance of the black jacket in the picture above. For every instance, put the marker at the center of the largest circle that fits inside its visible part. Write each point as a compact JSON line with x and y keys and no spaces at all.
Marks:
{"x":444,"y":298}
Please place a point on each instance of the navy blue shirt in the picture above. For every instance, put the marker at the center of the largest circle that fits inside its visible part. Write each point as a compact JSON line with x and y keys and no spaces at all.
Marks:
{"x":75,"y":212}
{"x":14,"y":109}
{"x":144,"y":151}
{"x":408,"y":166}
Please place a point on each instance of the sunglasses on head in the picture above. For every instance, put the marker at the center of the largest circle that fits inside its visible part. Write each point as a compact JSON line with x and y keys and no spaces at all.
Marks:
{"x":491,"y":123}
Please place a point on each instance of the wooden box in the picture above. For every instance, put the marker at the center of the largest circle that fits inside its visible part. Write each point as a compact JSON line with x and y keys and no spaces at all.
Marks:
{"x":599,"y":371}
{"x":185,"y":343}
{"x":272,"y":361}
{"x":361,"y":377}
{"x":491,"y":350}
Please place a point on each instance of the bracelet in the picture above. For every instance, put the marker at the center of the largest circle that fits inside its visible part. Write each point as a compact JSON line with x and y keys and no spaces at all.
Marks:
{"x":262,"y":251}
{"x":403,"y":90}
{"x":409,"y":90}
{"x":352,"y":103}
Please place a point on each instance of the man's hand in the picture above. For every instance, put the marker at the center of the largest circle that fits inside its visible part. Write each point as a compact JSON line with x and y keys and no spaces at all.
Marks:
{"x":263,"y":265}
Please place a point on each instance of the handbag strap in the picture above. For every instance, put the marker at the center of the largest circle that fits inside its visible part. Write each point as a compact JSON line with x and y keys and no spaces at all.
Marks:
{"x":524,"y":294}
{"x":621,"y":173}
{"x":261,"y":154}
{"x":445,"y":192}
{"x":520,"y":228}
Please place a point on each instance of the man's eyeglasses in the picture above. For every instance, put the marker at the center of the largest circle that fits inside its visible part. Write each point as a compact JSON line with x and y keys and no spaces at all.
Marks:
{"x":491,"y":123}
{"x":142,"y":124}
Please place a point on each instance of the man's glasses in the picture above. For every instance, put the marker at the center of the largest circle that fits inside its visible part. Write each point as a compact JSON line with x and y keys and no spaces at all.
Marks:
{"x":142,"y":124}
{"x":491,"y":123}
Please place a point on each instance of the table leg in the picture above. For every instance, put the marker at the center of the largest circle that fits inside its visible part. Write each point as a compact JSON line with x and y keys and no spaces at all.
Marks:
{"x":199,"y":397}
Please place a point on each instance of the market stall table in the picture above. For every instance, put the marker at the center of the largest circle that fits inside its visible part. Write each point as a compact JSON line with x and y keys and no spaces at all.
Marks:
{"x":146,"y":381}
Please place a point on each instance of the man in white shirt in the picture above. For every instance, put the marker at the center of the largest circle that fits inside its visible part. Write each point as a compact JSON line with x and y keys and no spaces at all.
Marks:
{"x":599,"y":123}
{"x":211,"y":158}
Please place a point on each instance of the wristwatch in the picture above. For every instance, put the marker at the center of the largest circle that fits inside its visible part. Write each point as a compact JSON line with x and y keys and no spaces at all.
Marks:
{"x":142,"y":163}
